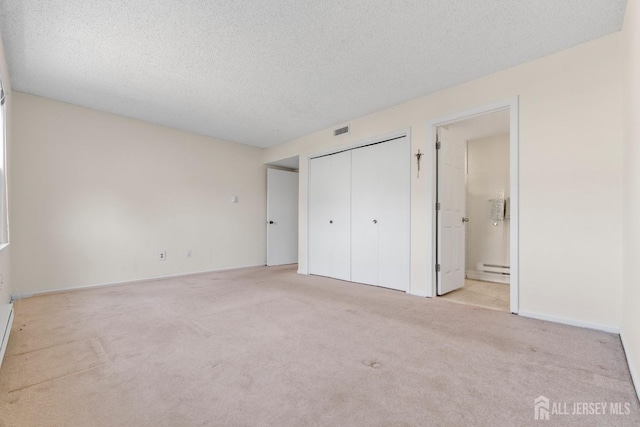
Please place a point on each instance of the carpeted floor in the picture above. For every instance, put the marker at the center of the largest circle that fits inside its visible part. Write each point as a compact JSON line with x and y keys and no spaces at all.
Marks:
{"x":265,"y":346}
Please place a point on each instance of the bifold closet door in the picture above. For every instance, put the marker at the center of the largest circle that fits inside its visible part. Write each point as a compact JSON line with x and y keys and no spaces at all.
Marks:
{"x":380,"y":214}
{"x":394,"y":214}
{"x":364,"y":214}
{"x":330,"y":216}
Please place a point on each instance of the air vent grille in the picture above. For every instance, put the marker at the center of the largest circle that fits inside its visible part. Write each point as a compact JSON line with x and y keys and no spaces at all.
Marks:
{"x":341,"y":131}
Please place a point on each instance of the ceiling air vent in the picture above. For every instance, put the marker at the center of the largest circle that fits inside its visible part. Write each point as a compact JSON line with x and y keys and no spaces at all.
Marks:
{"x":342,"y":131}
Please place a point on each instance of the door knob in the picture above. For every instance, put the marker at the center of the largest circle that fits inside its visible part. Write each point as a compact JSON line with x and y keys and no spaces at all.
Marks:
{"x":465,"y":219}
{"x":330,"y":221}
{"x":270,"y":222}
{"x":375,"y":221}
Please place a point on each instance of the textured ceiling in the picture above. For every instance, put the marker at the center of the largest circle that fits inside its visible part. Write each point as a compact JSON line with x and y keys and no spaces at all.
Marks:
{"x":261,"y":72}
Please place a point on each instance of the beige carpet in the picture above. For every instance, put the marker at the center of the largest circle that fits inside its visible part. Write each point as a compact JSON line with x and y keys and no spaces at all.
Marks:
{"x":482,"y":294}
{"x":264,"y":346}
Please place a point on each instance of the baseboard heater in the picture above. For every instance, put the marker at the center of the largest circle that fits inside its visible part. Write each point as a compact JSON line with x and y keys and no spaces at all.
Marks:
{"x":490,"y":273}
{"x":501,"y":270}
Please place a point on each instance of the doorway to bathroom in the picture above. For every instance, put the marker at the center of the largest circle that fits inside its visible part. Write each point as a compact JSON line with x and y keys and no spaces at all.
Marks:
{"x":474,"y":229}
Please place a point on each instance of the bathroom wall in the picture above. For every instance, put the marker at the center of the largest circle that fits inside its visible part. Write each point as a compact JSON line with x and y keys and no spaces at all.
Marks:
{"x":487,"y":178}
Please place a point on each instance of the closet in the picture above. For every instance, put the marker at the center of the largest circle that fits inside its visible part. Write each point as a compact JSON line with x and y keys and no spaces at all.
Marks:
{"x":330,"y":216}
{"x":359,"y":214}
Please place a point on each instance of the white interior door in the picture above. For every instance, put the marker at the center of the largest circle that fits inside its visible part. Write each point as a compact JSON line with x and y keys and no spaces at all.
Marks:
{"x":394,"y":214}
{"x":364,"y":214}
{"x":330,"y":216}
{"x":451,"y":215}
{"x":282,"y":217}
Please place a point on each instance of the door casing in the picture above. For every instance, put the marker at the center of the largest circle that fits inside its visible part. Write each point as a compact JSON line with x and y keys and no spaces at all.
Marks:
{"x":510,"y":104}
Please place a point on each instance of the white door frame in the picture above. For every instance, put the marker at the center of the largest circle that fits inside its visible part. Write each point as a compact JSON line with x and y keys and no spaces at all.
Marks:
{"x":510,"y":104}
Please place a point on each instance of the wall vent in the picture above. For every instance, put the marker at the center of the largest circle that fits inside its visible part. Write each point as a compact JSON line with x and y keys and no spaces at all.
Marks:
{"x":341,"y":131}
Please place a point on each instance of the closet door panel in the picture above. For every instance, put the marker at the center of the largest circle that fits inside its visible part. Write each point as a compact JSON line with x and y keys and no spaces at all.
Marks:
{"x":394,"y":216}
{"x":364,"y":208}
{"x":330,"y":216}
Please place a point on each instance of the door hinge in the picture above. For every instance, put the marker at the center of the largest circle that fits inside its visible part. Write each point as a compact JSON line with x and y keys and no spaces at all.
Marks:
{"x":438,"y":145}
{"x":437,"y":268}
{"x":438,"y":206}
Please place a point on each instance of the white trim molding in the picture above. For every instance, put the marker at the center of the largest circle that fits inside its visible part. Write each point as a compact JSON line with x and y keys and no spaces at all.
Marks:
{"x":510,"y":104}
{"x":361,"y":143}
{"x":571,"y":322}
{"x":126,"y":282}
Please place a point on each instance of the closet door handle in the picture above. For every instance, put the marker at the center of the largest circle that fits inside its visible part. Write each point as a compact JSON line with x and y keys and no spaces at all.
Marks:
{"x":330,"y":221}
{"x":375,"y":221}
{"x":465,"y":219}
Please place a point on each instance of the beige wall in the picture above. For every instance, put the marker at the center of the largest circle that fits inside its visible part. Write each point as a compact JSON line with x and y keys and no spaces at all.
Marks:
{"x":570,"y":176}
{"x":96,"y":197}
{"x":5,"y":271}
{"x":631,"y":309}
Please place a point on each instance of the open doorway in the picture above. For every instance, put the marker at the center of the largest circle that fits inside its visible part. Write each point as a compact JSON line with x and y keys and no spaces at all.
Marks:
{"x":282,"y":212}
{"x":475,"y":230}
{"x":484,"y":146}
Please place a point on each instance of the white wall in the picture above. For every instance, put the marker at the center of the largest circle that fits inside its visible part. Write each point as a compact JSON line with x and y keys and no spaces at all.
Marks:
{"x":487,"y":173}
{"x":95,"y":197}
{"x":5,"y":271}
{"x":631,"y":309}
{"x":570,"y":176}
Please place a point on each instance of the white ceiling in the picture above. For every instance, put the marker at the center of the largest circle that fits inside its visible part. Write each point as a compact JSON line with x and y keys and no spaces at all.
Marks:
{"x":261,"y":72}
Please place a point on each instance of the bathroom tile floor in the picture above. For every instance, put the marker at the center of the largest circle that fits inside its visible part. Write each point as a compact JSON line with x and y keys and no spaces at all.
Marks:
{"x":482,"y":294}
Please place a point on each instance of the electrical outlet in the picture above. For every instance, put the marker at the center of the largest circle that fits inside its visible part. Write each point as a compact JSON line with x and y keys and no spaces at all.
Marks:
{"x":189,"y":253}
{"x":162,"y":256}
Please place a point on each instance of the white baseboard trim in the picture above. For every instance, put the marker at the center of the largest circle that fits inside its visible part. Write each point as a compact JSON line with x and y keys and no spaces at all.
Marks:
{"x":303,"y":272}
{"x":634,"y":375}
{"x":417,"y":293}
{"x":572,"y":322}
{"x":126,"y":282}
{"x":487,"y":277}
